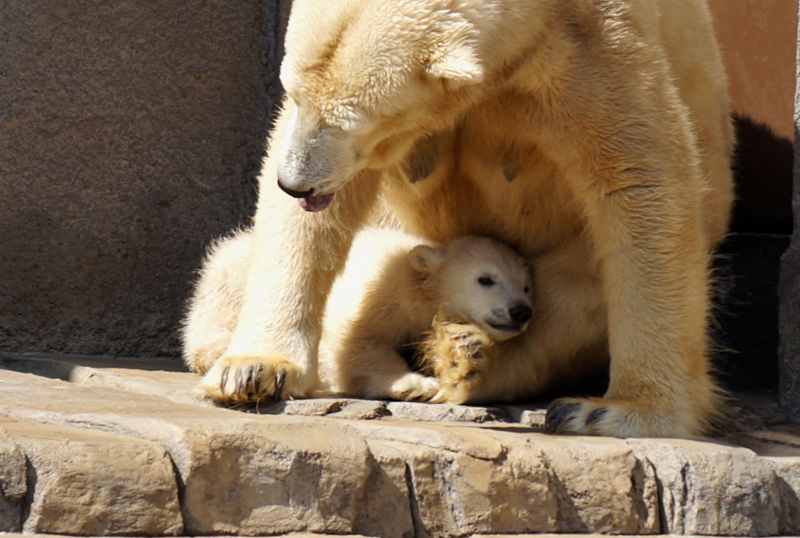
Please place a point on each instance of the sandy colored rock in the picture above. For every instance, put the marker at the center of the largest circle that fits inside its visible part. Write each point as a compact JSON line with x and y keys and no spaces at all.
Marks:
{"x":241,"y":473}
{"x":390,"y":504}
{"x":485,"y":480}
{"x":787,"y":472}
{"x":445,"y":413}
{"x":602,"y":486}
{"x":275,"y":476}
{"x":86,"y":482}
{"x":154,"y":377}
{"x":713,"y":488}
{"x":13,"y":486}
{"x":456,"y":493}
{"x":780,"y":449}
{"x":342,"y":466}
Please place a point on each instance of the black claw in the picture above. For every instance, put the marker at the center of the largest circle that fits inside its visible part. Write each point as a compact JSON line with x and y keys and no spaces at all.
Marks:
{"x":280,"y":381}
{"x":596,"y":415}
{"x":249,"y":381}
{"x":558,"y":413}
{"x":240,"y":382}
{"x":255,"y":380}
{"x":224,"y":380}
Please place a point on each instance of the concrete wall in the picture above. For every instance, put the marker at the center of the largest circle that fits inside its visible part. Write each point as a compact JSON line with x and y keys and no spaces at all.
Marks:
{"x":130,"y":134}
{"x":757,"y":38}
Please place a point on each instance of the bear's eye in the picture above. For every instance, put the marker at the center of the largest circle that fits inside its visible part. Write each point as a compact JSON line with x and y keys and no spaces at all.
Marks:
{"x":486,"y":281}
{"x":527,"y":289}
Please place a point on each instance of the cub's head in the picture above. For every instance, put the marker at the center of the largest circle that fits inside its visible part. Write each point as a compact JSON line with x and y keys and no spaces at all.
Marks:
{"x":364,"y":80}
{"x":481,"y":280}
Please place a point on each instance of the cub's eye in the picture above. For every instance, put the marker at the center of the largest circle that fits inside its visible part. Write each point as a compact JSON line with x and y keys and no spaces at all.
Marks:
{"x":486,"y":281}
{"x":527,"y":289}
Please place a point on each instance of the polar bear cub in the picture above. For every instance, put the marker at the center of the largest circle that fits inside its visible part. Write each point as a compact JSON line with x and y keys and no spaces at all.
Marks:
{"x":385,"y":301}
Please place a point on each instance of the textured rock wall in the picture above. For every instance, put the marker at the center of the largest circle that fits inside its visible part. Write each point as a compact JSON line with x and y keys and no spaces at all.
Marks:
{"x":130,"y":134}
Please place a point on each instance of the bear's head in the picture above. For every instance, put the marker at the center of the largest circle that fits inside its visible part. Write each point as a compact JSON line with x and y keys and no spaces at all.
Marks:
{"x":364,"y":80}
{"x":478,"y":280}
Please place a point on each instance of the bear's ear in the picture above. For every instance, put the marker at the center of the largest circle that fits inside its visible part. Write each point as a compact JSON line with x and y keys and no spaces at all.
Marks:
{"x":460,"y":66}
{"x":425,"y":259}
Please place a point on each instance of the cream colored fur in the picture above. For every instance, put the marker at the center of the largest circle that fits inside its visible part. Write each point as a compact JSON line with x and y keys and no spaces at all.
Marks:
{"x":381,"y":305}
{"x":591,"y":135}
{"x":386,"y":299}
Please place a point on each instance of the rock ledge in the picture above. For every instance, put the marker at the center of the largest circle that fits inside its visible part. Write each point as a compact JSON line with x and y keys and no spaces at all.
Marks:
{"x":93,"y":447}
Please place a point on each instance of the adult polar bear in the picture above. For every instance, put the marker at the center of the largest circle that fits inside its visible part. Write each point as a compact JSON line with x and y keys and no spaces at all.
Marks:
{"x":592,"y":135}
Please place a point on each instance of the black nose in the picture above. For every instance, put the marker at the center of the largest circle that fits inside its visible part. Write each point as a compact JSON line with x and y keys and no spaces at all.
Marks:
{"x":520,"y":313}
{"x":294,"y":193}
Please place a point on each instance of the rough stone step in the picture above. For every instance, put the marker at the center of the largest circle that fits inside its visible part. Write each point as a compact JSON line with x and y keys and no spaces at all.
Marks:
{"x":315,"y":535}
{"x":89,"y":482}
{"x":357,"y":467}
{"x":159,"y":377}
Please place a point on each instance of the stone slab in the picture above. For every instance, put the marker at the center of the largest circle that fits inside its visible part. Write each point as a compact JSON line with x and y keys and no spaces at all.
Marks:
{"x":388,"y":469}
{"x":239,"y":473}
{"x":13,"y":484}
{"x":516,"y":480}
{"x":315,"y":535}
{"x":88,"y":482}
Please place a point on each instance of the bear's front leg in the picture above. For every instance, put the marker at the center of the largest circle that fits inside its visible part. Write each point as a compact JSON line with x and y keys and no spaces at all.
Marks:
{"x":273,"y":348}
{"x":654,"y":259}
{"x":460,"y":356}
{"x":291,"y":267}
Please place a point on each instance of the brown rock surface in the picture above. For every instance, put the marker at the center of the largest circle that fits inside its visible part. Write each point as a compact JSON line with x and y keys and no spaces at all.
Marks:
{"x":386,"y":469}
{"x":88,"y":482}
{"x":713,"y":489}
{"x":13,"y":486}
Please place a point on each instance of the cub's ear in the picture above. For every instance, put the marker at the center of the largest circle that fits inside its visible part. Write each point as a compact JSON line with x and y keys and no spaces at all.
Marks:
{"x":460,"y":66}
{"x":425,"y":259}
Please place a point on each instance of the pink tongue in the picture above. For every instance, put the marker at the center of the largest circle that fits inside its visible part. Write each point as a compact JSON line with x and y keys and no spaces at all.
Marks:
{"x":316,"y":203}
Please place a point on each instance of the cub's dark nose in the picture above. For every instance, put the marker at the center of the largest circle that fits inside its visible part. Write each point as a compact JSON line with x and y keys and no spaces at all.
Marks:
{"x":294,"y":193}
{"x":520,"y":313}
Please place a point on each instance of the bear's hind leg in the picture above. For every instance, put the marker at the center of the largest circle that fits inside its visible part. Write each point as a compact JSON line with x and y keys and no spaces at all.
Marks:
{"x":378,"y":372}
{"x":412,"y":387}
{"x":214,"y":307}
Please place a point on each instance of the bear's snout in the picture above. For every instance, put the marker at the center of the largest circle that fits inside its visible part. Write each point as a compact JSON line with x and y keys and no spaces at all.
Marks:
{"x":520,"y":313}
{"x":508,"y":322}
{"x":293,"y":193}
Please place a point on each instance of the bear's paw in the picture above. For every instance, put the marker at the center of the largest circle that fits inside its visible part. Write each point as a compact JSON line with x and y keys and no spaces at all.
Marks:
{"x":413,"y":387}
{"x":616,"y":418}
{"x":241,"y":379}
{"x":460,"y":357}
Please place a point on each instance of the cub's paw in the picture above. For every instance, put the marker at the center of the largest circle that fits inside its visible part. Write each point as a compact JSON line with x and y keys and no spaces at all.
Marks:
{"x":615,"y":418}
{"x":413,"y":387}
{"x":240,"y":379}
{"x":460,"y":356}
